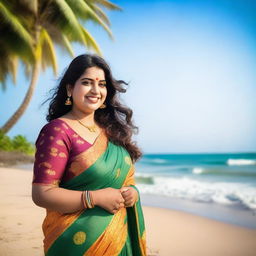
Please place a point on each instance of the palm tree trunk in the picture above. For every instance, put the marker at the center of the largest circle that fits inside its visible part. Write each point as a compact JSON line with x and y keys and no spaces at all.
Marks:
{"x":16,"y":116}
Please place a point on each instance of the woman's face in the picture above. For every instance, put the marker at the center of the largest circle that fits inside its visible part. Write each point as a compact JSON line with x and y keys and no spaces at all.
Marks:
{"x":89,"y":91}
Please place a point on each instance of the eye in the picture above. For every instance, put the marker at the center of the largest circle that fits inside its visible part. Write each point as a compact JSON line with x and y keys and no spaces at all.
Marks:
{"x":102,"y":84}
{"x":86,"y":82}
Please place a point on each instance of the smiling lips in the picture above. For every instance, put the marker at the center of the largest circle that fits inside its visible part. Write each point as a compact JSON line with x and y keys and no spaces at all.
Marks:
{"x":92,"y":99}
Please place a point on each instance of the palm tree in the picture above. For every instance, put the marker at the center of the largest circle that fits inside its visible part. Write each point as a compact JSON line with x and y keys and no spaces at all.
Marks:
{"x":30,"y":29}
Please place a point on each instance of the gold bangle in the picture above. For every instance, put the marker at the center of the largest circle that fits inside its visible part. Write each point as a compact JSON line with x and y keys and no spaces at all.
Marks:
{"x":91,"y":198}
{"x":83,"y":200}
{"x":87,"y":199}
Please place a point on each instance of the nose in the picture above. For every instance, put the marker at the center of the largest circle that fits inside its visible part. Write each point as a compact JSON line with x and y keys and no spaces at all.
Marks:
{"x":95,"y":88}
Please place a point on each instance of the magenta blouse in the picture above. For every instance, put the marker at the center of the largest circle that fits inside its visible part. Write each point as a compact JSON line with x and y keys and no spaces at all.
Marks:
{"x":56,"y":146}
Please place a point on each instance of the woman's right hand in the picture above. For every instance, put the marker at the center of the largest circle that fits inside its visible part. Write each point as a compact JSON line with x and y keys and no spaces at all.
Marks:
{"x":109,"y":199}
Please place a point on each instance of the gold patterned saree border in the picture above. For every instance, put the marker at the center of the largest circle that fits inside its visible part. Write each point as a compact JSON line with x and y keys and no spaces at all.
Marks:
{"x":129,"y":180}
{"x":142,"y":239}
{"x":55,"y":224}
{"x":112,"y":240}
{"x":87,"y":158}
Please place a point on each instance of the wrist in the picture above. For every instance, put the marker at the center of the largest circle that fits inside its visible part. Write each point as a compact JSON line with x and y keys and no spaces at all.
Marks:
{"x":136,"y":195}
{"x":95,"y":197}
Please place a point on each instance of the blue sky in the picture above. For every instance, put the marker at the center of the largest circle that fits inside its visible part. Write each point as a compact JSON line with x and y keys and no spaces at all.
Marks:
{"x":191,"y":72}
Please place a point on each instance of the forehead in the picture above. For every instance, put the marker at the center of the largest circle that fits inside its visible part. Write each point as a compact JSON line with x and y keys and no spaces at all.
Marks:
{"x":94,"y":73}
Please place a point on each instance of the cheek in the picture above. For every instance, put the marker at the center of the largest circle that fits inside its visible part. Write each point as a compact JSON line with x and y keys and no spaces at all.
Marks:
{"x":77,"y":95}
{"x":104,"y":94}
{"x":79,"y":91}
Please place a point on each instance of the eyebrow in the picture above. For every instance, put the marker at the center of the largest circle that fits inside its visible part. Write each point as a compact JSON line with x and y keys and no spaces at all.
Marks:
{"x":86,"y":78}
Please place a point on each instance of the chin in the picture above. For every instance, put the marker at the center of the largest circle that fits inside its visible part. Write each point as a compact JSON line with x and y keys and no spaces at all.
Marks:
{"x":91,"y":108}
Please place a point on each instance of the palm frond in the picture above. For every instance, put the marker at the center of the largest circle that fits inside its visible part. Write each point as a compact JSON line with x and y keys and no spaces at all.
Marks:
{"x":4,"y":69}
{"x":22,"y":7}
{"x":57,"y":22}
{"x":7,"y":67}
{"x":67,"y":45}
{"x":27,"y":69}
{"x":48,"y":56}
{"x":30,"y":5}
{"x":106,"y":4}
{"x":91,"y":43}
{"x":16,"y":38}
{"x":13,"y":68}
{"x":60,"y":15}
{"x":60,"y":39}
{"x":81,"y":7}
{"x":100,"y":13}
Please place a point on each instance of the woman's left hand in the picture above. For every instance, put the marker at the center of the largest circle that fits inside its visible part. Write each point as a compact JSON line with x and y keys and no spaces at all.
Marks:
{"x":130,"y":196}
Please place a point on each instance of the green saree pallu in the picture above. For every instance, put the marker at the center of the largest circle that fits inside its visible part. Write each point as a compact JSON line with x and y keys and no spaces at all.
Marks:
{"x":96,"y":232}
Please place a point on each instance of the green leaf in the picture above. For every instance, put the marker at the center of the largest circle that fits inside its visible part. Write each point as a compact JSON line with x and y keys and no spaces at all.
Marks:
{"x":14,"y":34}
{"x":91,"y":43}
{"x":106,"y":4}
{"x":67,"y":45}
{"x":81,"y":7}
{"x":62,"y":16}
{"x":100,"y":13}
{"x":48,"y":53}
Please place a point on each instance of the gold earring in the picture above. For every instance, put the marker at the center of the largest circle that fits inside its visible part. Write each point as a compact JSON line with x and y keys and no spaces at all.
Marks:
{"x":103,"y":106}
{"x":68,"y":101}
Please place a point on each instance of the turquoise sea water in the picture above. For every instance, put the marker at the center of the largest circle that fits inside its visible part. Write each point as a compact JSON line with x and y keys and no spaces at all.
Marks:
{"x":224,"y":179}
{"x":217,"y":186}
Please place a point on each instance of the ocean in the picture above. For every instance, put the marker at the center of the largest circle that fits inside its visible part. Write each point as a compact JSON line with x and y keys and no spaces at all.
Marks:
{"x":217,"y":186}
{"x":223,"y":181}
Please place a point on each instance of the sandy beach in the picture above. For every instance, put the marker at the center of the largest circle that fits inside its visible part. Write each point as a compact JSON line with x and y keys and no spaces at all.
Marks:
{"x":169,"y":232}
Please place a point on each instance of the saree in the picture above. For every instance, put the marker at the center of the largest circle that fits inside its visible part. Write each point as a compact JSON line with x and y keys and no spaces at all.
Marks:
{"x":96,"y":232}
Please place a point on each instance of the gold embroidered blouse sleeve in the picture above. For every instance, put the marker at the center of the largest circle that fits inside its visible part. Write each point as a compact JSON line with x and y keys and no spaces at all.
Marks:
{"x":52,"y":153}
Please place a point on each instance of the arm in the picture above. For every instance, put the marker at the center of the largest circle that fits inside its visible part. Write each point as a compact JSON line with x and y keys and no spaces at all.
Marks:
{"x":68,"y":201}
{"x":52,"y":150}
{"x":57,"y":199}
{"x":53,"y":147}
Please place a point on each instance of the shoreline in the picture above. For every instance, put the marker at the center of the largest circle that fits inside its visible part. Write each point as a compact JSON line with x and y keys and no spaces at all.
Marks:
{"x":168,"y":232}
{"x":241,"y":216}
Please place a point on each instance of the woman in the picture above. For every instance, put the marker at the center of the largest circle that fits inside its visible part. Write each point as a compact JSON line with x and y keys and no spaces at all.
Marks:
{"x":83,"y":169}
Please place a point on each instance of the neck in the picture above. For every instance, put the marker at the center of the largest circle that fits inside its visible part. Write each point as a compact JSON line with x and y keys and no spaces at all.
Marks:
{"x":87,"y":118}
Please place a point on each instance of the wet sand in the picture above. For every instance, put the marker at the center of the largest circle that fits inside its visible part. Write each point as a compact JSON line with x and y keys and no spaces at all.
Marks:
{"x":169,"y":232}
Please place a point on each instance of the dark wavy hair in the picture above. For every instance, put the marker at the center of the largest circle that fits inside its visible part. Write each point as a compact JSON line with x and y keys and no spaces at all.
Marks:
{"x":116,"y":118}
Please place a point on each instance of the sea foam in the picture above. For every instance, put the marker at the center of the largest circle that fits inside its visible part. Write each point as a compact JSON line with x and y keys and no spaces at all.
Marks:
{"x":186,"y":188}
{"x":241,"y":162}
